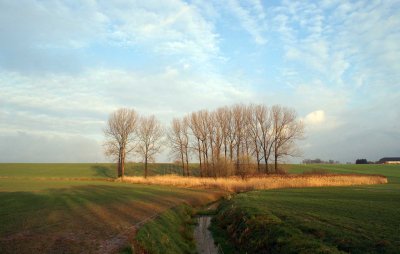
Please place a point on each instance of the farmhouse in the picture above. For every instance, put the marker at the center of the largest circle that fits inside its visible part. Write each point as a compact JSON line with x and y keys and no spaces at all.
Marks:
{"x":390,"y":160}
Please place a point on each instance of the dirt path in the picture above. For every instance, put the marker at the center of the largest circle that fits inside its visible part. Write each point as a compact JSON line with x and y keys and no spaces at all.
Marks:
{"x":204,"y":240}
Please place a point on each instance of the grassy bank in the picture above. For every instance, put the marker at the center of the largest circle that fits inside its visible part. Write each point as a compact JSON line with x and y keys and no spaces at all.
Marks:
{"x":170,"y":233}
{"x":355,"y":219}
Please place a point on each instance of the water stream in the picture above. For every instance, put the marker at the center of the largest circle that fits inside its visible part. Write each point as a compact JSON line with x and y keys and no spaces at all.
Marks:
{"x":203,"y":237}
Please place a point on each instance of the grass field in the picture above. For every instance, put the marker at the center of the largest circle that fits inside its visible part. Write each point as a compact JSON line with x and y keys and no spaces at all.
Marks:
{"x":44,"y":215}
{"x":65,"y":208}
{"x":86,"y":170}
{"x":392,"y":172}
{"x":359,"y":219}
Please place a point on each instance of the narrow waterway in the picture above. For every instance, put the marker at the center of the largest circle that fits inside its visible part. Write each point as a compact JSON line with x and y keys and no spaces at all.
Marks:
{"x":203,"y":237}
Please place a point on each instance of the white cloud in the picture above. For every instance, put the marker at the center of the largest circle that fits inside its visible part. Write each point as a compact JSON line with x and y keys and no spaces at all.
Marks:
{"x":59,"y":109}
{"x":252,"y":18}
{"x":171,"y":27}
{"x":81,"y":103}
{"x":315,"y":118}
{"x":339,"y":39}
{"x":319,"y":122}
{"x":31,"y":147}
{"x":42,"y":33}
{"x":35,"y":35}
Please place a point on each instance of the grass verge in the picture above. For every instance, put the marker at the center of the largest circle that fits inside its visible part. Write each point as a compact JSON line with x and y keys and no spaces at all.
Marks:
{"x":254,"y":232}
{"x":171,"y":232}
{"x":362,"y":219}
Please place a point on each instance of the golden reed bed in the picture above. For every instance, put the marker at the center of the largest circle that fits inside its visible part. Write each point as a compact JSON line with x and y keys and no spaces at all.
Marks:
{"x":237,"y":184}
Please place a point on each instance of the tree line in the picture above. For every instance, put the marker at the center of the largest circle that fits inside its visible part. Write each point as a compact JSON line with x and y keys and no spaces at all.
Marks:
{"x":236,"y":140}
{"x":319,"y":161}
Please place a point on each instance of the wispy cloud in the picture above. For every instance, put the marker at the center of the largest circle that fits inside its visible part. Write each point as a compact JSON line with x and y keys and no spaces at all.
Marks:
{"x":252,"y":18}
{"x":73,"y":104}
{"x":171,"y":27}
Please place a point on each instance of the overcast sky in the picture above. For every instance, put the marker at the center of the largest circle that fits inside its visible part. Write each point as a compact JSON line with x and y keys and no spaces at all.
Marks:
{"x":66,"y":65}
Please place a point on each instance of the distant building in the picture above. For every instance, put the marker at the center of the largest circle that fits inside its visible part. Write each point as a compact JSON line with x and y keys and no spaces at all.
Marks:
{"x":390,"y":160}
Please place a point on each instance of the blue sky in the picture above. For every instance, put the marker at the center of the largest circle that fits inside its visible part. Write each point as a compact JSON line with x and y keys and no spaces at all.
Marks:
{"x":65,"y":65}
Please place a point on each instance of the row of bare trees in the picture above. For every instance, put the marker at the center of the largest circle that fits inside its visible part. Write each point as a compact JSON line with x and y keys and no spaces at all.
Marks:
{"x":127,"y":133}
{"x":235,"y":140}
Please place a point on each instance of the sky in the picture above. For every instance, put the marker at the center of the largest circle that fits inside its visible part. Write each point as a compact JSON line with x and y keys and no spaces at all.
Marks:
{"x":66,"y":65}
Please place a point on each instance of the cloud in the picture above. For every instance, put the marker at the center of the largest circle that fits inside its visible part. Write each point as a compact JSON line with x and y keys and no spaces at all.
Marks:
{"x":315,"y":118}
{"x":338,"y":40}
{"x":251,"y":18}
{"x":51,"y":108}
{"x":81,"y":103}
{"x":169,"y":28}
{"x":347,"y":143}
{"x":36,"y":35}
{"x":29,"y":147}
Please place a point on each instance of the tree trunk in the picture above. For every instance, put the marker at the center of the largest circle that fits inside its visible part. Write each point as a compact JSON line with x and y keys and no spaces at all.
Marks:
{"x":257,"y":150}
{"x":198,"y":146}
{"x":183,"y":163}
{"x":187,"y":163}
{"x":237,"y":157}
{"x":266,"y":157}
{"x":212,"y":158}
{"x":206,"y":159}
{"x":231,"y":151}
{"x":276,"y":156}
{"x":119,"y":164}
{"x":145,"y":167}
{"x":225,"y":150}
{"x":123,"y":162}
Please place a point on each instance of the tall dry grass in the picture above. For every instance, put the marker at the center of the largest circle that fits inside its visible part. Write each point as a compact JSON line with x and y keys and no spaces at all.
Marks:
{"x":236,"y":184}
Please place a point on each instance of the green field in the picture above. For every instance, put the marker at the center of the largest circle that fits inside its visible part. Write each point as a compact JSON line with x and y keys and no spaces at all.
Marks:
{"x":359,"y":219}
{"x":392,"y":172}
{"x":65,"y":208}
{"x":86,"y":170}
{"x":39,"y":214}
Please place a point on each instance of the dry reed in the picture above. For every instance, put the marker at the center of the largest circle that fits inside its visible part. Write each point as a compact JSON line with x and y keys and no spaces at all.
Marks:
{"x":236,"y":184}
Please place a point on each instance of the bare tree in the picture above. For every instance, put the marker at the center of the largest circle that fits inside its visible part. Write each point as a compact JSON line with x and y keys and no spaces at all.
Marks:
{"x":264,"y":122}
{"x":196,"y":145}
{"x":120,"y":136}
{"x":178,"y":137}
{"x":176,"y":142}
{"x":254,"y":132}
{"x":196,"y":124}
{"x":203,"y":116}
{"x":186,"y":146}
{"x":149,"y":134}
{"x":238,"y":127}
{"x":286,"y":130}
